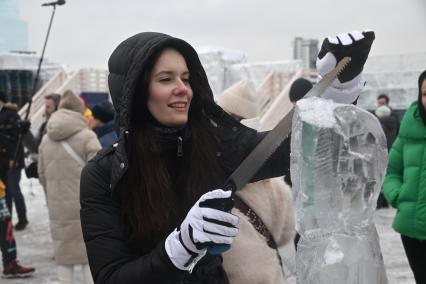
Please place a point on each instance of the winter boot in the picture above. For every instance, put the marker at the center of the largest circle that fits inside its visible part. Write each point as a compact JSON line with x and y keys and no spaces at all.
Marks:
{"x":21,"y":225}
{"x":13,"y":269}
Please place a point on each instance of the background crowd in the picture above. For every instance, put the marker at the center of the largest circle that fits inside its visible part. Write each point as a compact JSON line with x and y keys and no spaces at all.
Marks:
{"x":69,"y":136}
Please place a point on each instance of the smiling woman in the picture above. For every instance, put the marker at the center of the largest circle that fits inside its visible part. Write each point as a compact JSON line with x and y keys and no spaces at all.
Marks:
{"x":170,"y":93}
{"x":147,"y":204}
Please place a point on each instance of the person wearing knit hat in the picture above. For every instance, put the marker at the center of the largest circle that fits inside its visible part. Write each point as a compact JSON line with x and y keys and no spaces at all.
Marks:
{"x":68,"y":145}
{"x":103,"y":112}
{"x":240,"y":100}
{"x":103,"y":123}
{"x":299,"y":89}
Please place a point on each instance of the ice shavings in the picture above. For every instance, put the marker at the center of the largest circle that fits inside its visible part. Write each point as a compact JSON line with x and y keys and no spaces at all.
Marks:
{"x":317,"y":111}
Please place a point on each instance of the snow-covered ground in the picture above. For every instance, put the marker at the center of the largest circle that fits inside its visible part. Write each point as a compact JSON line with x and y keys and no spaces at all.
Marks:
{"x":35,"y":247}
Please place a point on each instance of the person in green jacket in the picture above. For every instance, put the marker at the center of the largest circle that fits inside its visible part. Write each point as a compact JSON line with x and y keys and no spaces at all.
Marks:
{"x":405,"y":183}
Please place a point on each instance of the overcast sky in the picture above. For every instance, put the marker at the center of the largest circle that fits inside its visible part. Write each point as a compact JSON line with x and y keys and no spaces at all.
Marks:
{"x":85,"y":32}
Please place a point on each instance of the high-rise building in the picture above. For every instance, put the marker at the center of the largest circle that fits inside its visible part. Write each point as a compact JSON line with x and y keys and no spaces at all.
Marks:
{"x":13,"y":30}
{"x":306,"y":50}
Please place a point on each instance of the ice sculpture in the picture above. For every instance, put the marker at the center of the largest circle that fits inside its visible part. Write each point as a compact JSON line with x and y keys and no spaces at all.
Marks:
{"x":338,"y":162}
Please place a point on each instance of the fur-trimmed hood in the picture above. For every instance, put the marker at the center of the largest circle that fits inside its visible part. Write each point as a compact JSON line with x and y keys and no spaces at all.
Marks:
{"x":65,"y":123}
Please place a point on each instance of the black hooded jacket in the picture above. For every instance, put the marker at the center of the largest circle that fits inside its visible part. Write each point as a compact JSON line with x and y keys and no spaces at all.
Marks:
{"x":110,"y":257}
{"x":390,"y":127}
{"x":9,"y":132}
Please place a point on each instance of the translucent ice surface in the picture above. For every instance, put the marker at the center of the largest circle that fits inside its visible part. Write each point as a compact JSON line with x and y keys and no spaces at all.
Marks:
{"x":338,"y":162}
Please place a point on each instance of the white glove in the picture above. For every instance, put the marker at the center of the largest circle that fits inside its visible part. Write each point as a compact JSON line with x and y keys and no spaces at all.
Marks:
{"x":203,"y":227}
{"x":348,"y":85}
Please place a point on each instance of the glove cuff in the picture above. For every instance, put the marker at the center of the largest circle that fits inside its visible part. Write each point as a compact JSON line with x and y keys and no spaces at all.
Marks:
{"x":180,"y":256}
{"x":345,"y":93}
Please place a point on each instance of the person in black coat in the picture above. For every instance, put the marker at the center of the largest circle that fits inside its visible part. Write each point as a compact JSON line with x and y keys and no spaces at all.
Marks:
{"x":138,"y":216}
{"x":383,"y":100}
{"x":10,"y":127}
{"x":32,"y":143}
{"x":389,"y":124}
{"x":51,"y":103}
{"x":102,"y":123}
{"x":390,"y":127}
{"x":12,"y":157}
{"x":149,"y":202}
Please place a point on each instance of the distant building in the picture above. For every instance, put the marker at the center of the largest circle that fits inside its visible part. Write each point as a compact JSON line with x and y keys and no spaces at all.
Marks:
{"x":13,"y":30}
{"x":306,"y":50}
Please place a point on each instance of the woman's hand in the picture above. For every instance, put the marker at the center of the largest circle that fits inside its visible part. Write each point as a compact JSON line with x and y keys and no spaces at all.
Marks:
{"x":203,"y":227}
{"x":349,"y":83}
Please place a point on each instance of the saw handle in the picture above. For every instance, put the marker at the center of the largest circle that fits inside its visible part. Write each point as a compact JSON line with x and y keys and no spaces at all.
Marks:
{"x":218,"y":249}
{"x":223,"y":204}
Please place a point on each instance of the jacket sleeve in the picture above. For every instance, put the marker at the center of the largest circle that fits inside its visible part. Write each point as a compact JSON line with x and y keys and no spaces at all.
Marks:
{"x":111,"y":259}
{"x":10,"y":131}
{"x":40,"y":167}
{"x":395,"y":171}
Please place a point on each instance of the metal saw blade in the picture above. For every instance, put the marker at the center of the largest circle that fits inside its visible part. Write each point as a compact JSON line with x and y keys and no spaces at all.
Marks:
{"x":269,"y":144}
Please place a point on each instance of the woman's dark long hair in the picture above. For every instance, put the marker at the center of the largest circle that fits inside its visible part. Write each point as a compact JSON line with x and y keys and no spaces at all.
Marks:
{"x":153,"y":204}
{"x":422,"y":109}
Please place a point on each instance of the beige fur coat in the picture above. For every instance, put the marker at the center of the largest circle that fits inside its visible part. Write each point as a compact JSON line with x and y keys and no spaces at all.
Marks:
{"x":59,"y":174}
{"x":250,"y":260}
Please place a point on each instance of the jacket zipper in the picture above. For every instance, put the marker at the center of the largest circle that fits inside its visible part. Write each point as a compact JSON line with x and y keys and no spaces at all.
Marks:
{"x":194,"y":260}
{"x":180,"y":147}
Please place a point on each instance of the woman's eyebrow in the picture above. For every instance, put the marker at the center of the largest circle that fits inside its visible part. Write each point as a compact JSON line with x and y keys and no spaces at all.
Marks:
{"x":166,"y":72}
{"x":163,"y":72}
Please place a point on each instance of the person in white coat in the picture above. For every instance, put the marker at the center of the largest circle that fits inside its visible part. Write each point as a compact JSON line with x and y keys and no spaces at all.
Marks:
{"x":265,"y":210}
{"x":63,"y":152}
